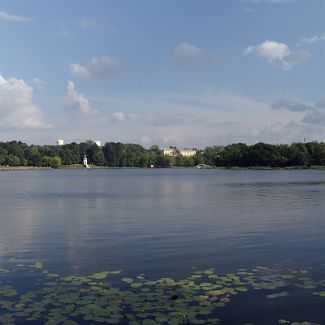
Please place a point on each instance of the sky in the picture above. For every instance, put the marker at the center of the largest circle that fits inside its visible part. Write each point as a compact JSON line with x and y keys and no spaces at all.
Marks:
{"x":189,"y":73}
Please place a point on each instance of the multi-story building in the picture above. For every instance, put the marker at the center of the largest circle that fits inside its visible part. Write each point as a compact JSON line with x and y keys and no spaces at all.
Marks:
{"x":59,"y":142}
{"x":170,"y":151}
{"x":188,"y":152}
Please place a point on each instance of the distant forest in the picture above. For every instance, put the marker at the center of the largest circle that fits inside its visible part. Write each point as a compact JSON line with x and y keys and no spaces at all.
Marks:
{"x":113,"y":154}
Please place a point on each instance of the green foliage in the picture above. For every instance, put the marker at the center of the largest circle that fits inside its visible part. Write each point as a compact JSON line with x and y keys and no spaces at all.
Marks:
{"x":109,"y":297}
{"x":12,"y":160}
{"x":53,"y":162}
{"x":128,"y":155}
{"x":266,"y":155}
{"x":70,"y":154}
{"x":116,"y":154}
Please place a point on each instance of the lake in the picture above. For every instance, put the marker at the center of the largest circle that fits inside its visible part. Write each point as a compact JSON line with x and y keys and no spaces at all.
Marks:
{"x":206,"y":246}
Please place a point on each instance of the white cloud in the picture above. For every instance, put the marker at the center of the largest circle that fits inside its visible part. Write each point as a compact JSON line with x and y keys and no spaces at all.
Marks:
{"x":39,"y":83}
{"x":209,"y":117}
{"x":16,"y":107}
{"x":15,"y":18}
{"x":79,"y":71}
{"x":77,"y":101}
{"x":99,"y":68}
{"x":118,"y":117}
{"x":312,"y":39}
{"x":278,"y":53}
{"x":190,"y":56}
{"x":198,"y":119}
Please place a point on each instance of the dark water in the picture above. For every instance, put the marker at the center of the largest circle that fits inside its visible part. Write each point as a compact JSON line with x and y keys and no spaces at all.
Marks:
{"x":163,"y":222}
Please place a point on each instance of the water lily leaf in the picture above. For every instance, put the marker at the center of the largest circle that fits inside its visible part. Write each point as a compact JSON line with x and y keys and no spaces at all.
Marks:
{"x":216,"y":292}
{"x":37,"y":265}
{"x":100,"y":276}
{"x":52,"y":275}
{"x":136,"y":285}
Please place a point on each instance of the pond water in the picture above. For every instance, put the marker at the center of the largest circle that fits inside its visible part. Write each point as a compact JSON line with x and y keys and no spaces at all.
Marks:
{"x":261,"y":231}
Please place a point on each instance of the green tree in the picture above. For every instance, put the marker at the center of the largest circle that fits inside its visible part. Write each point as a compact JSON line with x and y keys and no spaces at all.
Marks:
{"x":316,"y":153}
{"x":98,"y":157}
{"x":12,"y":160}
{"x":235,"y":155}
{"x":298,"y":155}
{"x":52,"y":162}
{"x":212,"y":155}
{"x":70,"y":154}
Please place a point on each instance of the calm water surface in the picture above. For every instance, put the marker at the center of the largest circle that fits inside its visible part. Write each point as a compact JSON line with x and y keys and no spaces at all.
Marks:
{"x":163,"y":222}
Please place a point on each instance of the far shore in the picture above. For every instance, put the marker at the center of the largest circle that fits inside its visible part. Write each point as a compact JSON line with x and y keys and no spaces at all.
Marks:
{"x":80,"y":166}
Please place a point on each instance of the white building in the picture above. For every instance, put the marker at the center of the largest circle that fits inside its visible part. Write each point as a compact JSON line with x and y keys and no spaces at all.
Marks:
{"x":59,"y":142}
{"x":98,"y":143}
{"x":170,"y":151}
{"x":85,"y":161}
{"x":188,"y":152}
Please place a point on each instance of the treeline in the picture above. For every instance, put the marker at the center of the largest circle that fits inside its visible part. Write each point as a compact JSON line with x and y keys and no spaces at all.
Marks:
{"x":113,"y":154}
{"x":266,"y":155}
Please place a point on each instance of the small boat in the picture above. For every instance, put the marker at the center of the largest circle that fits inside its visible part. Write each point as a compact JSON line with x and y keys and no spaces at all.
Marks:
{"x":203,"y":166}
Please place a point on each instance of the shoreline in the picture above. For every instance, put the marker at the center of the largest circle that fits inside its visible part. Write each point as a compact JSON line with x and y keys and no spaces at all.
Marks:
{"x":22,"y":168}
{"x":14,"y":168}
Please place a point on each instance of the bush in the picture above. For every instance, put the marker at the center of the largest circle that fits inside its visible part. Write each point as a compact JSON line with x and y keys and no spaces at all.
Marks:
{"x":53,"y":162}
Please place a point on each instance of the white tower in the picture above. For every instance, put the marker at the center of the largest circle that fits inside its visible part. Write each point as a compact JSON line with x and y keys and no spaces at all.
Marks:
{"x":59,"y":142}
{"x":85,"y":161}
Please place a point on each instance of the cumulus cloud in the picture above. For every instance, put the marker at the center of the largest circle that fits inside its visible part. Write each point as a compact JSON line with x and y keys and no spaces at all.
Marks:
{"x":99,"y":68}
{"x":118,"y":117}
{"x":278,"y":53}
{"x":190,"y":56}
{"x":17,"y":109}
{"x":77,"y":101}
{"x":14,"y":18}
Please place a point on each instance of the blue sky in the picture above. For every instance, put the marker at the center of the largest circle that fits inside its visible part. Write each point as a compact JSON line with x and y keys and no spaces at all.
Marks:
{"x":190,"y":73}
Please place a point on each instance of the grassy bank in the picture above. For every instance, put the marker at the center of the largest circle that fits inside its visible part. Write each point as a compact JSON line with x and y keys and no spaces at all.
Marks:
{"x":6,"y":168}
{"x":80,"y":166}
{"x":273,"y":168}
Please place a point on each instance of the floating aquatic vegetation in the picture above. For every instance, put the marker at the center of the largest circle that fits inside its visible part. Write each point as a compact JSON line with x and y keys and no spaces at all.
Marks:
{"x":37,"y":265}
{"x":107,"y":297}
{"x":4,"y":271}
{"x":287,"y":322}
{"x":277,"y":295}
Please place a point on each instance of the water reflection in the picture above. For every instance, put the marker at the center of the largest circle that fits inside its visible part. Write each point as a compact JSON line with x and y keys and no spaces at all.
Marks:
{"x":162,"y":221}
